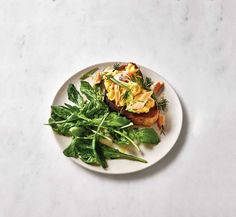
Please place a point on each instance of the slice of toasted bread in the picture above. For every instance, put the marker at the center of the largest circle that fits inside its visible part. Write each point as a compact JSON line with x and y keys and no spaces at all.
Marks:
{"x":143,"y":119}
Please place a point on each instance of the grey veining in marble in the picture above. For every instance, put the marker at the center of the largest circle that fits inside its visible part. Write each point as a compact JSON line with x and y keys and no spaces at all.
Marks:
{"x":191,"y":43}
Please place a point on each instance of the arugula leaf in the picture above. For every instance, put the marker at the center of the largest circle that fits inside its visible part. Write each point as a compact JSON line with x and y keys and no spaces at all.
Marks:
{"x":122,"y":137}
{"x":112,"y":153}
{"x":96,"y":149}
{"x":74,"y":95}
{"x":115,"y":120}
{"x":71,"y":108}
{"x":88,"y":90}
{"x":88,"y":74}
{"x":119,"y":139}
{"x":94,"y":109}
{"x":64,"y":129}
{"x":98,"y":153}
{"x":60,"y":111}
{"x":144,"y":135}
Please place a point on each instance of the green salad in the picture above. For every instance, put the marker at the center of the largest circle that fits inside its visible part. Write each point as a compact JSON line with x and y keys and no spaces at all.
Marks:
{"x":91,"y":126}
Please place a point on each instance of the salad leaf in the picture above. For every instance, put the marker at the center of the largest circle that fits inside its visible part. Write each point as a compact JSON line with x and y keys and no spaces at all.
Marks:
{"x":64,"y":129}
{"x":112,"y":153}
{"x":98,"y":153}
{"x":88,"y":90}
{"x":144,"y":135}
{"x":96,"y":148}
{"x":60,"y":111}
{"x":71,"y":108}
{"x":115,"y":120}
{"x":72,"y":150}
{"x":124,"y":138}
{"x":94,"y":109}
{"x":81,"y":148}
{"x":74,"y":95}
{"x":78,"y":131}
{"x":120,"y":139}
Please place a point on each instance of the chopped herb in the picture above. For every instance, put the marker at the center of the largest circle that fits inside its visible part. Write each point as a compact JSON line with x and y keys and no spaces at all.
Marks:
{"x":148,"y":82}
{"x":162,"y":104}
{"x":116,"y":66}
{"x":126,"y":95}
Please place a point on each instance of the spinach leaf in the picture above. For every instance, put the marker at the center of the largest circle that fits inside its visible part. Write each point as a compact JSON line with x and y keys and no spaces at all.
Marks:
{"x":115,"y":120}
{"x":80,"y":148}
{"x":86,"y":153}
{"x":72,"y":150}
{"x":144,"y":135}
{"x":112,"y":153}
{"x":74,"y":95}
{"x":78,"y":131}
{"x":88,"y":90}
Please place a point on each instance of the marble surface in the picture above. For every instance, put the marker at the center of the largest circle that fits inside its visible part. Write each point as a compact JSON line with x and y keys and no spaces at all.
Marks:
{"x":191,"y":43}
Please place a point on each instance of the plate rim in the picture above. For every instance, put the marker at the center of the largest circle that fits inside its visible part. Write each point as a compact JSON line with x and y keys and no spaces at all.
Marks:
{"x":90,"y":167}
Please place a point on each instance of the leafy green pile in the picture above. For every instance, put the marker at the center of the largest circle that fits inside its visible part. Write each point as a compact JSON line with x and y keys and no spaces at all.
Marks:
{"x":88,"y":121}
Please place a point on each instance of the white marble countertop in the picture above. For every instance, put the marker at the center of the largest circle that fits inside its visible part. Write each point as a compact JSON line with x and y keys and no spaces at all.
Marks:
{"x":191,"y":43}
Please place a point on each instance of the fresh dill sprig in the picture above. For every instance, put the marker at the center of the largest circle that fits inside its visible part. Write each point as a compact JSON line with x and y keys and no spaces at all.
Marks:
{"x":116,"y":66}
{"x":148,"y":82}
{"x":162,"y":104}
{"x":145,"y":83}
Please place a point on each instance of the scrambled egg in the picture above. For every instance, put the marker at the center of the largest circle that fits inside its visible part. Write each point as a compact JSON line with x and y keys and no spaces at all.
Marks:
{"x":136,"y":100}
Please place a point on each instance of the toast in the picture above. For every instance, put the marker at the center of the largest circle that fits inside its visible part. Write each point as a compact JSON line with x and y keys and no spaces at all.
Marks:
{"x":142,"y":119}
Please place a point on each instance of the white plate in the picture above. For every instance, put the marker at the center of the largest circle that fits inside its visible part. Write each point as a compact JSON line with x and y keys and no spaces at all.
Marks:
{"x":174,"y":120}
